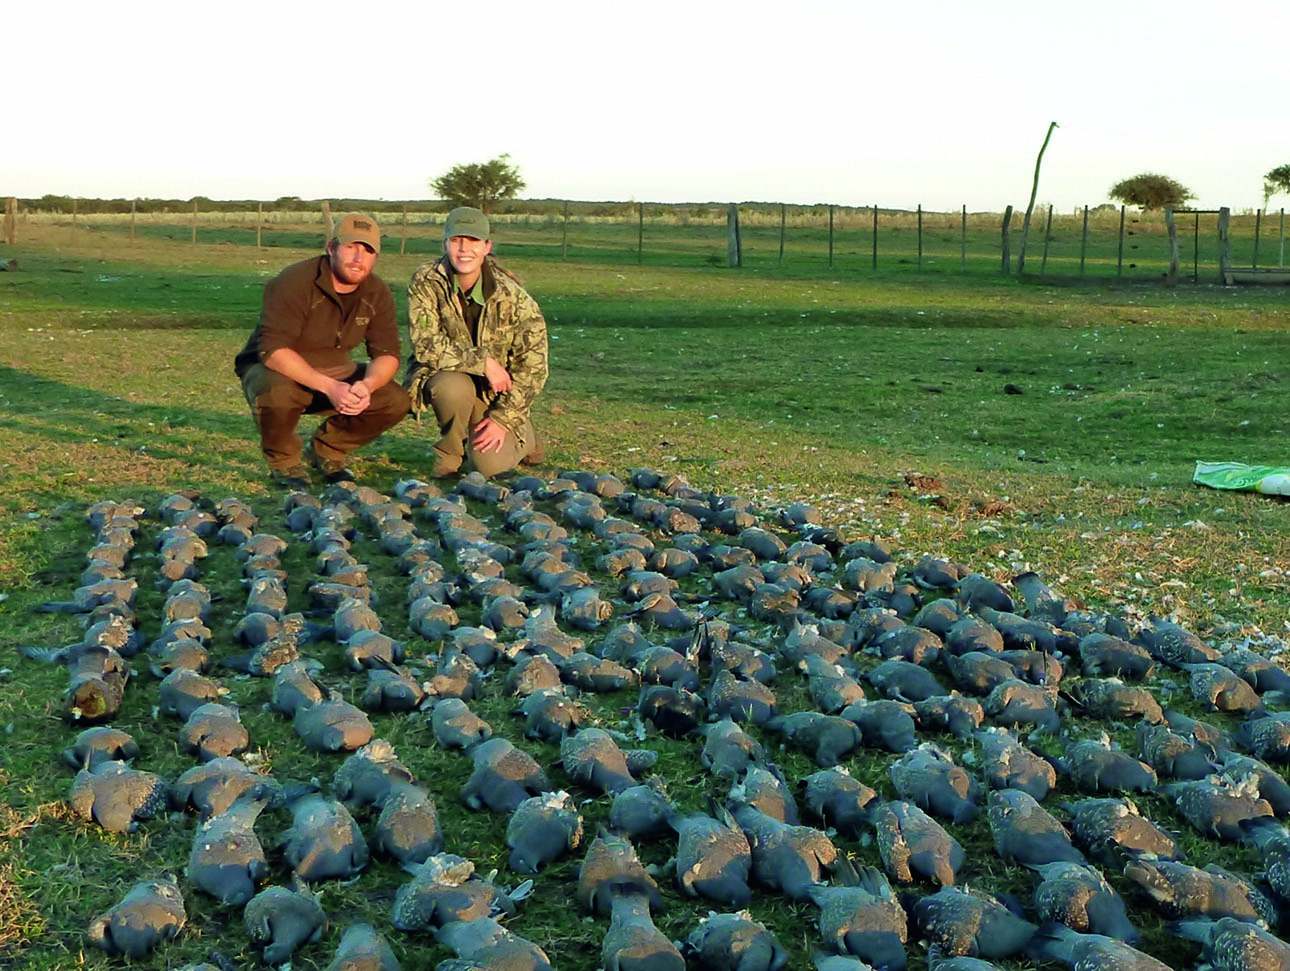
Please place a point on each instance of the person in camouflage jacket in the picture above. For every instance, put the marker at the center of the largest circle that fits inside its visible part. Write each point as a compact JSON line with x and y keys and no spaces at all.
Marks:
{"x":479,"y":353}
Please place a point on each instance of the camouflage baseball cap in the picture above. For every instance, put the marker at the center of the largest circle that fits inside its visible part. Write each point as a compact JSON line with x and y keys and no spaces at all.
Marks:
{"x":358,"y":227}
{"x":466,"y":221}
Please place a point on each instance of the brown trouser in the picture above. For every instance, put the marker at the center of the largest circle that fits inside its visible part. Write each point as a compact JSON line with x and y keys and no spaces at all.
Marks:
{"x":458,"y":407}
{"x":277,"y":403}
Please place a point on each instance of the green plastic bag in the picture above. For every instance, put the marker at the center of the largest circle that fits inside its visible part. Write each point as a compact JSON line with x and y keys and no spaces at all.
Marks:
{"x":1252,"y":478}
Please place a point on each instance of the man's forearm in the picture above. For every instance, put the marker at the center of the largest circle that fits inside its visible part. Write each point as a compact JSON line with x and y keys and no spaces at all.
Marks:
{"x":381,"y":371}
{"x":289,"y":363}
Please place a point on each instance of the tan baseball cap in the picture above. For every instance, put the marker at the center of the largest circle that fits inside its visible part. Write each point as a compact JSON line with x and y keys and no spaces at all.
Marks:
{"x":466,"y":221}
{"x":358,"y":227}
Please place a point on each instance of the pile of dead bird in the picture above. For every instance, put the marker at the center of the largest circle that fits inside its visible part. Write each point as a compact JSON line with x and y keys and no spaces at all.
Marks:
{"x":688,"y":615}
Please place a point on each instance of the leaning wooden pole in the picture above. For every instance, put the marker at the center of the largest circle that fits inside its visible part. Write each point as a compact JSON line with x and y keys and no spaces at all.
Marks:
{"x":1030,"y":208}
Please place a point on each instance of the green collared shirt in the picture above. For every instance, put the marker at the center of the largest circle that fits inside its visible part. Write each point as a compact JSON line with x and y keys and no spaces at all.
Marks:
{"x":472,"y":303}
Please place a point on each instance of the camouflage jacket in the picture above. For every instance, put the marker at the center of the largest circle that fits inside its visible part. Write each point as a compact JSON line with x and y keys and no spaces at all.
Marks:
{"x":511,"y":331}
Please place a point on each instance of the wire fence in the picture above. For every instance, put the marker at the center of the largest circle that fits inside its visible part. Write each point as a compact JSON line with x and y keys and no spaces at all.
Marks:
{"x":1103,"y":242}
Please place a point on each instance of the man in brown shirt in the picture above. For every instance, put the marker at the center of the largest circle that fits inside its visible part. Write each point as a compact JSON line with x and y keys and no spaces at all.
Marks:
{"x":297,"y":361}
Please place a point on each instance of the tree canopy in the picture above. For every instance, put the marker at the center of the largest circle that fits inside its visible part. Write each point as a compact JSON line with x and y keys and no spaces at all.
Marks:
{"x":1150,"y":191}
{"x":479,"y":184}
{"x":1278,"y":180}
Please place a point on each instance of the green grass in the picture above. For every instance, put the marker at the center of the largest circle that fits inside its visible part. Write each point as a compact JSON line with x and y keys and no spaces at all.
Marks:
{"x":882,"y":398}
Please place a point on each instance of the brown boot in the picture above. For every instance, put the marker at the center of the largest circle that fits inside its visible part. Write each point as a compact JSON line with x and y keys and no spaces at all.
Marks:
{"x":536,"y":451}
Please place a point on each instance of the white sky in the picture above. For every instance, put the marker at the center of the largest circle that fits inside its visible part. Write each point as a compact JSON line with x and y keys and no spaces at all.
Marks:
{"x":899,"y":102}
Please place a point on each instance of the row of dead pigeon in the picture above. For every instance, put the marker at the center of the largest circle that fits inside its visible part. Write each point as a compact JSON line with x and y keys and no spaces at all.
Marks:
{"x":966,"y":635}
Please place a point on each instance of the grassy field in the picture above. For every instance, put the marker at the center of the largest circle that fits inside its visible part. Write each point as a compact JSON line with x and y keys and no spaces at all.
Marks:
{"x":1005,"y":424}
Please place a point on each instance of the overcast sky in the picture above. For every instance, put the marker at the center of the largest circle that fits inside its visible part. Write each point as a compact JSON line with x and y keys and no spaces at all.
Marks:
{"x":935,"y":102}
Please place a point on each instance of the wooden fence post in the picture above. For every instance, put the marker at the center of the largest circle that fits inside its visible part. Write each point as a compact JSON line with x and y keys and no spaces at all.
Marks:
{"x":875,"y":235}
{"x":1224,"y":243}
{"x":830,"y":237}
{"x":1048,"y":231}
{"x":259,"y":225}
{"x":783,"y":220}
{"x":963,"y":239}
{"x":1171,"y":277}
{"x":1007,"y":240}
{"x":564,"y":238}
{"x":1119,"y":255}
{"x":734,"y":246}
{"x":1195,"y":248}
{"x":11,"y":220}
{"x":1083,"y":243}
{"x":1258,"y":224}
{"x":920,"y":236}
{"x":403,"y":238}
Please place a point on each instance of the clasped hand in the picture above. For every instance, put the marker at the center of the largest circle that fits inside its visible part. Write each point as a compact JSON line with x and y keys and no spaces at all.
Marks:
{"x":351,"y":399}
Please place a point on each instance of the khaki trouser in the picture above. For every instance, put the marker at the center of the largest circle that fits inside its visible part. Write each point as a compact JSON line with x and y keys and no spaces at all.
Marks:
{"x":458,"y":408}
{"x":277,"y":403}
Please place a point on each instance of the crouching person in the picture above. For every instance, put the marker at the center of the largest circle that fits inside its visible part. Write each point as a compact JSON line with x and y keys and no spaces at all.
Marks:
{"x":297,"y":360}
{"x":479,"y":353}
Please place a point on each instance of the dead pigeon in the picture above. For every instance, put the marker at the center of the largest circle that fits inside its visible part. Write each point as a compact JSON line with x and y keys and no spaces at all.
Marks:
{"x":1042,"y":601}
{"x":642,"y":811}
{"x":1180,"y":890}
{"x":484,"y":943}
{"x":1266,"y":735}
{"x":593,"y":759}
{"x":541,"y":829}
{"x":1007,"y":764}
{"x":183,"y":691}
{"x":550,"y":714}
{"x":1097,"y":766}
{"x":734,"y":942}
{"x":212,"y":787}
{"x":1113,"y":831}
{"x":913,"y":845}
{"x":1174,"y":645}
{"x":904,"y":681}
{"x":1217,"y":807}
{"x":1173,"y":755}
{"x":282,"y":919}
{"x":864,"y":919}
{"x":884,"y":724}
{"x":445,"y":889}
{"x":333,"y":725}
{"x":674,"y":712}
{"x":1272,"y":786}
{"x":323,"y":842}
{"x":975,"y":591}
{"x":728,"y":750}
{"x":1110,"y":699}
{"x":765,"y":788}
{"x":839,"y":801}
{"x":929,"y":778}
{"x":504,"y":776}
{"x":102,"y":744}
{"x":365,"y":777}
{"x":713,"y":857}
{"x":785,"y":858}
{"x":213,"y":731}
{"x":294,"y":687}
{"x":227,"y":859}
{"x":954,"y":713}
{"x":150,"y":914}
{"x":1090,"y":952}
{"x":408,"y":827}
{"x":1024,"y":832}
{"x":972,"y":634}
{"x":363,"y":949}
{"x":612,"y":869}
{"x":1107,"y":656}
{"x":455,"y":726}
{"x":116,"y":796}
{"x":828,"y":738}
{"x":1078,"y":896}
{"x":960,"y":922}
{"x":391,"y":689}
{"x":633,"y":943}
{"x":1017,"y":703}
{"x":1234,"y":945}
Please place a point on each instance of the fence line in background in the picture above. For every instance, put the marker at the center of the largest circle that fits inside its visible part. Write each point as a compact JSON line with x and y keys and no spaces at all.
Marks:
{"x":673,"y":222}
